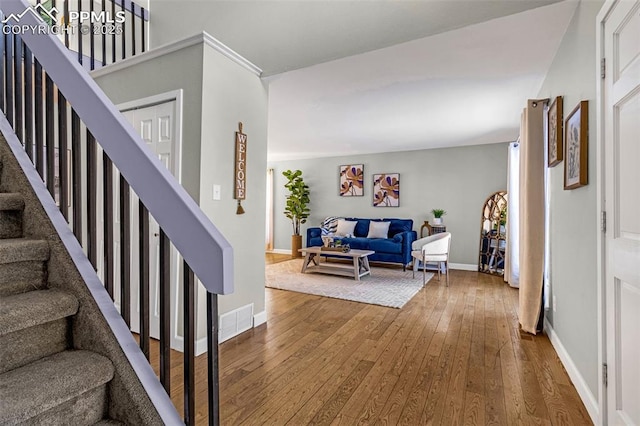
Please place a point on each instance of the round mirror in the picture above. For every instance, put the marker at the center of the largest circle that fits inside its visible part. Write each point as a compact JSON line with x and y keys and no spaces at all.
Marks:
{"x":493,"y":234}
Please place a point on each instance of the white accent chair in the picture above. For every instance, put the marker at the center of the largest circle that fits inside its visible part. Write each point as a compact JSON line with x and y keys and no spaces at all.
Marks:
{"x":434,"y":248}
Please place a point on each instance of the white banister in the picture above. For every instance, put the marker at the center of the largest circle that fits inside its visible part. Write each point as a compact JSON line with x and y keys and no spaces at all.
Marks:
{"x":204,"y":248}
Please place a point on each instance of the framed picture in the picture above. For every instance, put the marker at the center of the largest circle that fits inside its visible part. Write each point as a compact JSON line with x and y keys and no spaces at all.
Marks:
{"x":576,"y":152}
{"x":554,"y":132}
{"x":386,"y":190}
{"x":352,"y":180}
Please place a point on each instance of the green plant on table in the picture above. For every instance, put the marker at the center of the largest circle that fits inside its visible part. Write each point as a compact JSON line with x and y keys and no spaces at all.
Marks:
{"x":438,"y":213}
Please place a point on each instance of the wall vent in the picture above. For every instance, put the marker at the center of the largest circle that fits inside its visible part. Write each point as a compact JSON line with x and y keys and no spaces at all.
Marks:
{"x":235,"y":322}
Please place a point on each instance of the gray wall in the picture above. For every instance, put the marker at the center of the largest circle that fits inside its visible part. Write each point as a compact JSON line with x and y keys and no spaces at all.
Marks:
{"x":144,"y":79}
{"x":455,"y":179}
{"x":231,"y":95}
{"x":574,"y":217}
{"x":217,"y":94}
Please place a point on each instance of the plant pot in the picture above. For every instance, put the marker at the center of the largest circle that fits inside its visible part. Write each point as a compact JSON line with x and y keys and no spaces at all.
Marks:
{"x":296,"y":245}
{"x":437,"y":221}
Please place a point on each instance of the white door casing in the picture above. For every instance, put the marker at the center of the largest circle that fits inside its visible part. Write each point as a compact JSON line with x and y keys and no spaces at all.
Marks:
{"x":620,"y":100}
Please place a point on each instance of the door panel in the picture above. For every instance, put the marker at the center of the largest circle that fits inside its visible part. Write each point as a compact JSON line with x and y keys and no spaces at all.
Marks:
{"x":629,"y":170}
{"x":629,"y":351}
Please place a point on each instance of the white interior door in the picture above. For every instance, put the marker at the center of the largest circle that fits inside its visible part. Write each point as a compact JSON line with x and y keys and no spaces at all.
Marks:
{"x":156,"y":125}
{"x":621,"y":96}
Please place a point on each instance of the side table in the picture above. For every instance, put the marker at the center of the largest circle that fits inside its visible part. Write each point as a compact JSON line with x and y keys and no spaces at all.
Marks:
{"x":431,"y":229}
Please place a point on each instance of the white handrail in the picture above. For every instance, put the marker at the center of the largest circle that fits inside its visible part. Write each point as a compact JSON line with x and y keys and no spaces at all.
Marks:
{"x":204,"y":248}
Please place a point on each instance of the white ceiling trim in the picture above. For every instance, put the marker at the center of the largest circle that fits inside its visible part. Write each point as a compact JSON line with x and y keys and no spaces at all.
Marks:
{"x":201,"y":38}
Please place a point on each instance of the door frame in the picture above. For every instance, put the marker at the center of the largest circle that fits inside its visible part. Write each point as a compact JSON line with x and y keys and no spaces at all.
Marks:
{"x":149,"y":101}
{"x":601,"y":253}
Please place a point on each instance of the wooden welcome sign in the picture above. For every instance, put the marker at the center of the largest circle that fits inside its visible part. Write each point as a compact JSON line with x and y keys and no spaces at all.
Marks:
{"x":240,"y":172}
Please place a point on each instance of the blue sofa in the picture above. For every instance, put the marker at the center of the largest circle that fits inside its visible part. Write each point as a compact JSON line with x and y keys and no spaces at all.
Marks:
{"x":396,"y":248}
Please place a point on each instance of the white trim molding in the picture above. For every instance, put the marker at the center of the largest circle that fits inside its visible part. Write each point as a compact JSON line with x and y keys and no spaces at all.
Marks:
{"x":201,"y":345}
{"x":202,"y":38}
{"x":601,"y":253}
{"x":463,"y":267}
{"x":280,"y":251}
{"x":259,"y":318}
{"x":588,"y":399}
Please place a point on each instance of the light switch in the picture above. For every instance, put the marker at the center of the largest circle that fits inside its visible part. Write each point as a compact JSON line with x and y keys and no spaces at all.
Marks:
{"x":216,"y":192}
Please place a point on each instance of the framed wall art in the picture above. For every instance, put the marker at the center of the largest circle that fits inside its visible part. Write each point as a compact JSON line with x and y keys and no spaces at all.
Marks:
{"x":352,"y":180}
{"x":386,"y":190}
{"x":576,"y":152}
{"x":554,"y":132}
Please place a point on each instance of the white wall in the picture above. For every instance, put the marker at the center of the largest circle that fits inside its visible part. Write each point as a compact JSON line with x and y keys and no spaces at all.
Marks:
{"x":574,"y":218}
{"x":455,"y":179}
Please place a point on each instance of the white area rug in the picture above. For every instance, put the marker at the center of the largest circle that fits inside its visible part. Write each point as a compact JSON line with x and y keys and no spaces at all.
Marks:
{"x":385,"y":287}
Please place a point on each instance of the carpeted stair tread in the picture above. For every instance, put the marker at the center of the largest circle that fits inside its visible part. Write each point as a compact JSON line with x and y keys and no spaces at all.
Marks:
{"x":11,"y":209}
{"x":33,"y":308}
{"x":23,"y":249}
{"x":11,"y":201}
{"x":31,"y":344}
{"x":108,"y":422}
{"x":20,"y":277}
{"x":29,"y":391}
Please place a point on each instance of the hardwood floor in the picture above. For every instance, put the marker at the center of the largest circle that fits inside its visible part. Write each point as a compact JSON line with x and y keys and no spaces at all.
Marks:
{"x":450,"y":356}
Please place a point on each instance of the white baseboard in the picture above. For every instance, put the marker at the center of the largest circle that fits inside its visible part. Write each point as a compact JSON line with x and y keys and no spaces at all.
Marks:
{"x":588,"y":399}
{"x":463,"y":266}
{"x":259,"y":318}
{"x":201,"y":345}
{"x":457,"y":266}
{"x":280,"y":251}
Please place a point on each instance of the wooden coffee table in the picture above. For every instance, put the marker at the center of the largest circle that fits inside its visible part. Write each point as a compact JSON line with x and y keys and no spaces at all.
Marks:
{"x":359,"y":266}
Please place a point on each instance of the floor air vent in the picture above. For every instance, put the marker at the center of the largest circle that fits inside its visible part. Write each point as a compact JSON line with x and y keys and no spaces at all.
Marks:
{"x":235,"y":322}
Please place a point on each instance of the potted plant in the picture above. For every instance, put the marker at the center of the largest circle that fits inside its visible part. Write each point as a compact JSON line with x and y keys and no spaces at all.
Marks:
{"x":296,"y":208}
{"x":437,"y":216}
{"x":503,"y":220}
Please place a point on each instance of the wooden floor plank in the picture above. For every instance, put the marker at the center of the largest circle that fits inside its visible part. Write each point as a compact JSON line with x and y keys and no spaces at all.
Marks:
{"x":454,"y":402}
{"x":451,"y":355}
{"x":495,"y":412}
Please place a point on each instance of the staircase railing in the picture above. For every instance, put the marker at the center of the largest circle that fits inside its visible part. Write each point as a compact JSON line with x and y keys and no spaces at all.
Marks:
{"x":101,"y":32}
{"x":63,"y":120}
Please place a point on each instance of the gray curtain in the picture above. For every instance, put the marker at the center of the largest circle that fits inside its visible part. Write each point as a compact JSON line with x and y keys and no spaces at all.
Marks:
{"x":532,"y":164}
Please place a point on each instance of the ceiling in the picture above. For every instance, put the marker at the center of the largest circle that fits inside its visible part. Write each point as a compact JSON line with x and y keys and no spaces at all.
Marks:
{"x":462,"y":87}
{"x":283,"y":35}
{"x":353,"y":77}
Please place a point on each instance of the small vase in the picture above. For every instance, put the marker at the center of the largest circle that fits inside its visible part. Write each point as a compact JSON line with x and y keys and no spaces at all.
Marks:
{"x":437,"y":221}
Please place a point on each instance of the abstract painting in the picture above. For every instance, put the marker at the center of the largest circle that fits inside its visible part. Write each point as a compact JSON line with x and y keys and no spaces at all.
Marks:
{"x":386,"y":190}
{"x":352,"y":180}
